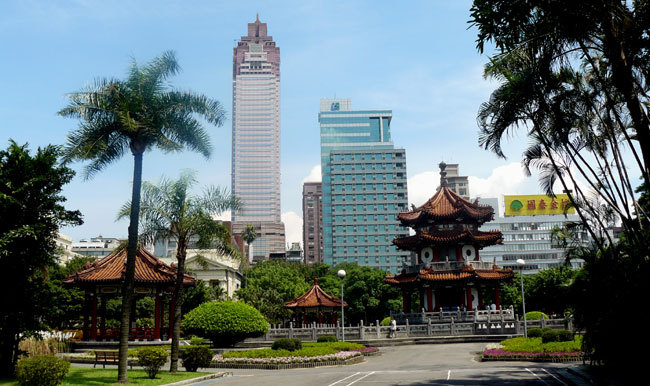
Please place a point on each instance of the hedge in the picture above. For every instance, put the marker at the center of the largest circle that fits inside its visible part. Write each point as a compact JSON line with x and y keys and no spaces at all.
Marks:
{"x":225,"y":323}
{"x":536,"y":315}
{"x":195,"y":357}
{"x":152,"y":359}
{"x":289,"y":344}
{"x":41,"y":370}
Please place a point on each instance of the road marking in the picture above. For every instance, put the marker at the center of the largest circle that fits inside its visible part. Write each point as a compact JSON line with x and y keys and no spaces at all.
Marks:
{"x":536,"y":376}
{"x":448,"y":374}
{"x":554,"y":377}
{"x":358,"y":379}
{"x":341,"y":380}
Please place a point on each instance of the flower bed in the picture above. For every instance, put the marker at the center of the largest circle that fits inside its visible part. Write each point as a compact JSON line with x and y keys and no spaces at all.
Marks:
{"x":501,"y":355}
{"x":532,"y":349}
{"x":287,"y":362}
{"x":367,"y":351}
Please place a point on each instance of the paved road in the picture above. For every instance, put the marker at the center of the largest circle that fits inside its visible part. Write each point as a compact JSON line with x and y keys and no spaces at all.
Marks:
{"x":434,"y":364}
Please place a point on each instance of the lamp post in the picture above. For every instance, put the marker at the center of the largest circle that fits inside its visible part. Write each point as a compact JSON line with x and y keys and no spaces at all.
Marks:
{"x":341,"y":274}
{"x":521,"y":263}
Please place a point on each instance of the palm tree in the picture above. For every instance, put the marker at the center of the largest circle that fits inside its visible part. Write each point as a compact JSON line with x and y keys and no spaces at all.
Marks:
{"x":168,"y":210}
{"x":138,"y":114}
{"x":249,"y":235}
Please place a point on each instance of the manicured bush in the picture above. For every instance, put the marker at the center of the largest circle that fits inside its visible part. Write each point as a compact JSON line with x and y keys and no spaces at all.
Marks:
{"x":225,"y":323}
{"x":152,"y":359}
{"x":536,"y":315}
{"x":550,"y":336}
{"x":537,"y":332}
{"x":195,"y":357}
{"x":197,"y":341}
{"x":535,"y":345}
{"x":289,"y":344}
{"x":41,"y":370}
{"x":327,"y":338}
{"x":385,"y":321}
{"x":565,"y":335}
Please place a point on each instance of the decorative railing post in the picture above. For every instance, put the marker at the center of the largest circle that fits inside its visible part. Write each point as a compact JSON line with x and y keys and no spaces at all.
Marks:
{"x":543,"y":321}
{"x":517,"y":324}
{"x":313,"y":331}
{"x":452,"y":327}
{"x":475,"y":314}
{"x":290,"y":329}
{"x":378,"y":329}
{"x":362,"y":332}
{"x":268,"y":332}
{"x":338,"y":330}
{"x":429,"y":327}
{"x":440,"y":314}
{"x":407,"y":327}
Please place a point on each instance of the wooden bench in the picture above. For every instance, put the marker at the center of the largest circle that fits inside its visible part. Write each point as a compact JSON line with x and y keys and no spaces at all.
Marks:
{"x":108,"y":357}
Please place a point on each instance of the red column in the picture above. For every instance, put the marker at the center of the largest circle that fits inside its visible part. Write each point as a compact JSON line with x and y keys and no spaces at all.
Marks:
{"x":429,"y":299}
{"x":93,"y":322}
{"x":459,"y":254}
{"x":86,"y":314}
{"x":438,"y":305}
{"x":320,"y":318}
{"x":406,"y":302}
{"x":497,"y":297}
{"x":469,"y":299}
{"x":436,"y":254}
{"x":304,"y":319}
{"x":480,"y":299}
{"x":477,"y":258}
{"x":156,"y":329}
{"x":171,"y":317}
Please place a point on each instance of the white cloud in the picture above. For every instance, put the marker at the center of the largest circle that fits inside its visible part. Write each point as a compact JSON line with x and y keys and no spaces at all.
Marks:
{"x":314,"y":175}
{"x":422,"y":186}
{"x":292,"y":227}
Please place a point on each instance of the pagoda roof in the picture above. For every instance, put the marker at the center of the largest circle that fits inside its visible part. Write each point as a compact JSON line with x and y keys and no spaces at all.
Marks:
{"x":447,"y":205}
{"x":315,"y":297}
{"x":149,"y":270}
{"x":448,"y":237}
{"x":467,"y":273}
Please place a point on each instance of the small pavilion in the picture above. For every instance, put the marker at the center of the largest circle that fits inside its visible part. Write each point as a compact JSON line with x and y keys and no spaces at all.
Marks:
{"x":311,"y":306}
{"x":448,"y":272}
{"x":103,"y":279}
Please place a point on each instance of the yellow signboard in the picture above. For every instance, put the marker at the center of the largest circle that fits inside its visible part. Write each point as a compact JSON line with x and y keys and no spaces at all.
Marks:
{"x":537,"y":204}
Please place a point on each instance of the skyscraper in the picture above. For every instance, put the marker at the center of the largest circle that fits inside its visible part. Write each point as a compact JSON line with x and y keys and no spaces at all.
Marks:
{"x":312,"y":226}
{"x":256,"y":138}
{"x":364,"y":186}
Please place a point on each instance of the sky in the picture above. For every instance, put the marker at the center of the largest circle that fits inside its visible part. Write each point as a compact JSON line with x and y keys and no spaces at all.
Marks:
{"x":417,"y":58}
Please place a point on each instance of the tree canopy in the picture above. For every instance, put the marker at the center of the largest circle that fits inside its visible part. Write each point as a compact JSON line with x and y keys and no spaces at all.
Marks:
{"x":31,"y":209}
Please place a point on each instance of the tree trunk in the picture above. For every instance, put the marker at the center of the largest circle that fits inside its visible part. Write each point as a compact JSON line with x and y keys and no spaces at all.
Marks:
{"x":178,"y":295}
{"x":129,"y":276}
{"x":7,"y":352}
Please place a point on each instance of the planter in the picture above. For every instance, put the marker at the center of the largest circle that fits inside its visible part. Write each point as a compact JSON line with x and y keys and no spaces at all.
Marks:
{"x":285,"y":366}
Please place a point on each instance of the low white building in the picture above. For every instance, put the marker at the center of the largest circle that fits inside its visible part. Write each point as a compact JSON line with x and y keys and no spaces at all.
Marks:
{"x":214,"y":269}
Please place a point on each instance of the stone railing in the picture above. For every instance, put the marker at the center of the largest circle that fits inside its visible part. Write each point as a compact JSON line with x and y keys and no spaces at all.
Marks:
{"x":449,"y":265}
{"x":490,"y":325}
{"x":458,"y":315}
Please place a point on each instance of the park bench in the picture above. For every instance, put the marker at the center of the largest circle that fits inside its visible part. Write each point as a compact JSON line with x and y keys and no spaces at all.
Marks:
{"x":105,"y":357}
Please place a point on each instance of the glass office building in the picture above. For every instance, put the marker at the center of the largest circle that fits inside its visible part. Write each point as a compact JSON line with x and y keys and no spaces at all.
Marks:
{"x":364,"y":186}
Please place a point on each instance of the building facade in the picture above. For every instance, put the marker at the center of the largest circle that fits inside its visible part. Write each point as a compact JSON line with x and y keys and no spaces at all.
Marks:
{"x":256,"y":137}
{"x":364,"y":186}
{"x":456,"y":182}
{"x":528,"y":237}
{"x":312,"y":226}
{"x":96,"y":246}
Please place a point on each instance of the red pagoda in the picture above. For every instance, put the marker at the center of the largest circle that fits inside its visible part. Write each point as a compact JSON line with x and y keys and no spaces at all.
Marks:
{"x":310,"y":306}
{"x":448,"y":273}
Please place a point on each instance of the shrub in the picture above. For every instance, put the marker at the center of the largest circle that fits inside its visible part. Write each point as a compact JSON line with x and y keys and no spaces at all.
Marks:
{"x":144,"y":323}
{"x":197,"y":340}
{"x":385,"y":321}
{"x":152,"y":359}
{"x":537,"y":332}
{"x":195,"y":357}
{"x":289,"y":344}
{"x":225,"y":322}
{"x":327,"y":338}
{"x":536,"y":315}
{"x":41,"y":370}
{"x":565,"y":336}
{"x":550,"y":336}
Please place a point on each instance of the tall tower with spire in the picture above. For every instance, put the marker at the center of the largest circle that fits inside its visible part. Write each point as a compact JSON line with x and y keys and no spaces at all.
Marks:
{"x":256,"y":138}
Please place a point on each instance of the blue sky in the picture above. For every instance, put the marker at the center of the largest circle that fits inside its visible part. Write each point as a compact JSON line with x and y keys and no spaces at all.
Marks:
{"x":416,"y":58}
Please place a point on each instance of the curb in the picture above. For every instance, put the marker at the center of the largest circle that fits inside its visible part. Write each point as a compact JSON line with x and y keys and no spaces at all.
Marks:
{"x":201,"y":379}
{"x":568,"y":359}
{"x":252,"y":366}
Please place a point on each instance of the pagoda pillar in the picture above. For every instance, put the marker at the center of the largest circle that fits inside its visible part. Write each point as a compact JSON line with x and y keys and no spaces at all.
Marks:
{"x":320,"y":317}
{"x":102,"y":315}
{"x":469,"y":299}
{"x":497,"y":296}
{"x":459,"y":253}
{"x":86,"y":314}
{"x":429,"y":299}
{"x":406,"y":301}
{"x":93,"y":321}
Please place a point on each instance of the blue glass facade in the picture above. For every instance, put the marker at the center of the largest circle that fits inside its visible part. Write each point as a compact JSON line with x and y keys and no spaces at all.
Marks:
{"x":364,"y":186}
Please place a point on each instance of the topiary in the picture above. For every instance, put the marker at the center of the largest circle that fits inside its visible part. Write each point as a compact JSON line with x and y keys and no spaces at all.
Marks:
{"x":550,"y":336}
{"x":565,"y":335}
{"x":536,"y":315}
{"x":152,"y":359}
{"x":537,"y":332}
{"x":385,"y":321}
{"x":225,"y":322}
{"x":289,"y":344}
{"x":327,"y":338}
{"x":41,"y":370}
{"x":195,"y":357}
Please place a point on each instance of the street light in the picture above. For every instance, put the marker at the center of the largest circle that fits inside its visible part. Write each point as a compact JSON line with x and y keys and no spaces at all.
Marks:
{"x":341,"y":274}
{"x":521,"y":263}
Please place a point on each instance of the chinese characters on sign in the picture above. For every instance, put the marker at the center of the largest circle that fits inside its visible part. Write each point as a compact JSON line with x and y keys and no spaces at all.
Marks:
{"x":537,"y":204}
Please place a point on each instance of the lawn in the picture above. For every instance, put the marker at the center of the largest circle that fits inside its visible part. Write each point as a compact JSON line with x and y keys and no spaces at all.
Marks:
{"x":90,"y":376}
{"x":521,"y":344}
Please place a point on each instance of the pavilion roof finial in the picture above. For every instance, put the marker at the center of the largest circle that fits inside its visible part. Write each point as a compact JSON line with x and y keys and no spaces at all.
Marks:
{"x":443,"y":174}
{"x":257,"y":18}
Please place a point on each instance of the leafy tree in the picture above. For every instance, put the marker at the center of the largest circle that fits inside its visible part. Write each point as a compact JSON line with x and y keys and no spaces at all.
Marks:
{"x":272,"y":283}
{"x":31,"y":209}
{"x":548,"y":291}
{"x":249,"y":235}
{"x":168,"y":210}
{"x":136,"y":114}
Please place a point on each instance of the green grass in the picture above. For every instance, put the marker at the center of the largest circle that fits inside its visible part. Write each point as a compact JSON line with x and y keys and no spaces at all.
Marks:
{"x":309,"y":349}
{"x":90,"y":376}
{"x":536,"y":345}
